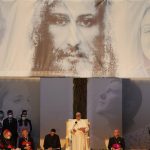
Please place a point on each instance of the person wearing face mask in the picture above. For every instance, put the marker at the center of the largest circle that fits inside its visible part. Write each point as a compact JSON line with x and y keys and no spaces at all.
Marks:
{"x":1,"y":120}
{"x":6,"y":141}
{"x":10,"y":123}
{"x":24,"y":123}
{"x":26,"y":141}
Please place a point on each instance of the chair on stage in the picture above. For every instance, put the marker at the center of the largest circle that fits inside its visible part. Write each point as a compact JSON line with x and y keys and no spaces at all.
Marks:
{"x":68,"y":133}
{"x":106,"y":143}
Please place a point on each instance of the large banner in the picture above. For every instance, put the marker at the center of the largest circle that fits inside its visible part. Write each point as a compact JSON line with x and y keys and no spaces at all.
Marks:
{"x":104,"y":110}
{"x":123,"y":104}
{"x":67,"y":38}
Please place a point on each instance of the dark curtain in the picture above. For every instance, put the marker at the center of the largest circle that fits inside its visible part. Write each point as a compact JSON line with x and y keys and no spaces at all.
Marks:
{"x":80,"y":96}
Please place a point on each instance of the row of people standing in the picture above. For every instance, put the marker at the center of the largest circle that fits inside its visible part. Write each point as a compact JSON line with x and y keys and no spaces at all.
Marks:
{"x":15,"y":126}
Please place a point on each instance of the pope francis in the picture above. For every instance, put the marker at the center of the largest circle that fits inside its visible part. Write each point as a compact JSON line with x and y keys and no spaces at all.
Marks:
{"x":79,"y":133}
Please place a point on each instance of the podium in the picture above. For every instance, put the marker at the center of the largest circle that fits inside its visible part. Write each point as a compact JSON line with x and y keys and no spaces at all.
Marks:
{"x":69,"y":125}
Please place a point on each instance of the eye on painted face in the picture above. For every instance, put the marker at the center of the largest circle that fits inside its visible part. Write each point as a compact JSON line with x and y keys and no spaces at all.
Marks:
{"x":145,"y":34}
{"x":74,"y":28}
{"x":109,"y":100}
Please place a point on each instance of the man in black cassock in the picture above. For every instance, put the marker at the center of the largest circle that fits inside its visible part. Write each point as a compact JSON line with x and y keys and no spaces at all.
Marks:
{"x":116,"y":142}
{"x":10,"y":123}
{"x":52,"y":141}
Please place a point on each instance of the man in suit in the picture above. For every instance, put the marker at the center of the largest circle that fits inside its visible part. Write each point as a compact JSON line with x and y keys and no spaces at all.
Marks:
{"x":24,"y":117}
{"x":116,"y":142}
{"x":24,"y":123}
{"x":10,"y":123}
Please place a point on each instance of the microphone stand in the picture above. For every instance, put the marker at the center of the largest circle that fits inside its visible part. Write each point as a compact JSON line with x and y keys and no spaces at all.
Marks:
{"x":72,"y":129}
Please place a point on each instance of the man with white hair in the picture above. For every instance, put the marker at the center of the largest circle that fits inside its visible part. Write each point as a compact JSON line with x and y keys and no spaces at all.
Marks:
{"x":79,"y":133}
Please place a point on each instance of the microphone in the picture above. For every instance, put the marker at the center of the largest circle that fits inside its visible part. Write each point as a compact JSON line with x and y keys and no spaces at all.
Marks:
{"x":74,"y":124}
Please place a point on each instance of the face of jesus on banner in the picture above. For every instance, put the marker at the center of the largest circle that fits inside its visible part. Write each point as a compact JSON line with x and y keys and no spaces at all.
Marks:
{"x":76,"y":34}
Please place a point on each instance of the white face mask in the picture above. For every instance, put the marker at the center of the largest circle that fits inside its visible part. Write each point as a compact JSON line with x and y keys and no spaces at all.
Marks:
{"x":23,"y":118}
{"x":9,"y":116}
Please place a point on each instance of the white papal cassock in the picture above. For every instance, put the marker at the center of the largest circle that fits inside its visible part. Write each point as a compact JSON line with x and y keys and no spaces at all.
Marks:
{"x":79,"y":140}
